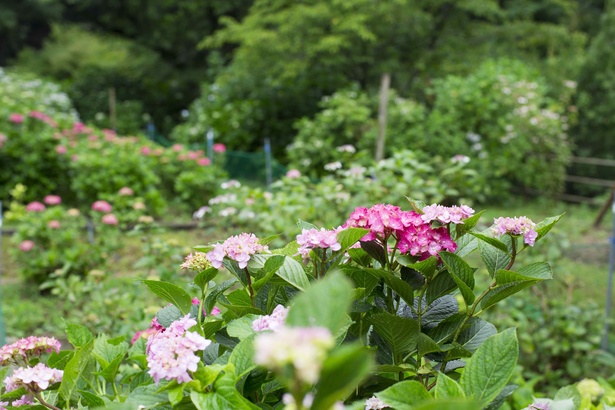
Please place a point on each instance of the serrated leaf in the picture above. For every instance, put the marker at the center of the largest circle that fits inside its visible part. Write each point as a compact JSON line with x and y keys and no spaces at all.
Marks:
{"x":404,"y":395}
{"x":461,"y":273}
{"x":447,"y":388}
{"x":341,"y":373}
{"x":203,"y":278}
{"x":544,"y":226}
{"x":361,"y":278}
{"x":403,"y":289}
{"x":468,"y":224}
{"x":400,"y":333}
{"x":375,"y":250}
{"x":78,"y":335}
{"x":168,"y":315}
{"x":532,"y":272}
{"x":449,"y":404}
{"x":215,"y":292}
{"x":241,"y":328}
{"x":439,"y":286}
{"x":110,"y":371}
{"x":74,"y":370}
{"x":293,"y":273}
{"x":325,"y":303}
{"x":489,"y":369}
{"x":417,"y":205}
{"x":147,"y":396}
{"x":90,"y":399}
{"x":360,"y":257}
{"x":496,"y":243}
{"x":494,"y":258}
{"x":506,"y":392}
{"x":203,"y":248}
{"x":476,"y":332}
{"x":504,"y":291}
{"x":60,"y":359}
{"x":104,"y":352}
{"x":171,"y":293}
{"x":242,"y":357}
{"x":439,"y":310}
{"x":348,"y":237}
{"x":426,"y":345}
{"x":427,"y":267}
{"x":466,"y":245}
{"x":268,"y":239}
{"x":305,"y":225}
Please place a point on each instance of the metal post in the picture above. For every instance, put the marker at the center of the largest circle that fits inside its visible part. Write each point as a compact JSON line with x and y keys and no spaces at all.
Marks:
{"x":605,"y":338}
{"x":268,"y":162}
{"x":210,"y":144}
{"x":2,"y":329}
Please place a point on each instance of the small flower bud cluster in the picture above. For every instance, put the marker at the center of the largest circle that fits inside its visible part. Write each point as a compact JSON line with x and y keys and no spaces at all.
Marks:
{"x":24,"y":349}
{"x":34,"y":379}
{"x":314,"y":238}
{"x":375,"y":403}
{"x":453,"y":214}
{"x":196,"y":261}
{"x":273,"y":322}
{"x":516,"y":226}
{"x":413,"y":234}
{"x":170,"y":354}
{"x":303,"y":348}
{"x":238,"y":248}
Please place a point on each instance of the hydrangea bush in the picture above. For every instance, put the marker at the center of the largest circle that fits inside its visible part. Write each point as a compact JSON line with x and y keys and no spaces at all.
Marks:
{"x":381,"y":312}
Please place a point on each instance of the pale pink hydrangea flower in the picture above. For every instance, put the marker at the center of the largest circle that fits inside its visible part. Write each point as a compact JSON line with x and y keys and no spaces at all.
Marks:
{"x":273,"y":322}
{"x":332,"y":166}
{"x":374,"y":403}
{"x":204,"y":162}
{"x":125,"y":191}
{"x":170,"y":354}
{"x":52,"y":200}
{"x":347,"y":148}
{"x":23,"y":401}
{"x":34,"y":379}
{"x":238,"y":248}
{"x":304,"y":348}
{"x":200,"y":213}
{"x":219,"y":148}
{"x":318,"y":238}
{"x":61,"y":149}
{"x":3,"y":405}
{"x":24,"y":349}
{"x":26,"y":246}
{"x":109,"y":219}
{"x":35,"y":207}
{"x":16,"y":118}
{"x":102,"y":206}
{"x":146,"y":151}
{"x":196,"y":261}
{"x":177,"y":147}
{"x":54,"y":224}
{"x":233,"y":183}
{"x":445,"y":214}
{"x":516,"y":226}
{"x":293,"y":173}
{"x":460,"y":159}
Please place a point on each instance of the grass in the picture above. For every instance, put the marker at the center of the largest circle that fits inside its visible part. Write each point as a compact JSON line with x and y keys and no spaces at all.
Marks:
{"x":577,"y":252}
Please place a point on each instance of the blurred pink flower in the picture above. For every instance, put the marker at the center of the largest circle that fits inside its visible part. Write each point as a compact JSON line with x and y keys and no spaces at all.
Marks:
{"x":177,"y":147}
{"x":102,"y":206}
{"x":293,"y":173}
{"x":110,"y":219}
{"x":16,"y":118}
{"x":219,"y":148}
{"x":146,"y":150}
{"x":125,"y":191}
{"x":203,"y":162}
{"x":74,"y":158}
{"x":54,"y":224}
{"x":26,"y":246}
{"x":52,"y":200}
{"x":3,"y":139}
{"x":93,"y":138}
{"x":35,"y":207}
{"x":193,"y":155}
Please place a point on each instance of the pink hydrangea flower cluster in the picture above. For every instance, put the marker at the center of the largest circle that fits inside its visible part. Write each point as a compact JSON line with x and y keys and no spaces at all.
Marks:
{"x":34,"y":379}
{"x":170,"y":354}
{"x":516,"y":226}
{"x":125,"y":191}
{"x":196,"y":261}
{"x":446,"y":214}
{"x":23,"y":401}
{"x":238,"y":248}
{"x":43,"y":117}
{"x":16,"y":118}
{"x":318,"y":238}
{"x":109,"y":219}
{"x":54,"y":224}
{"x":304,"y":348}
{"x":102,"y":206}
{"x":413,"y":235}
{"x":293,"y":173}
{"x":52,"y":200}
{"x":35,"y":207}
{"x":219,"y":148}
{"x":24,"y":349}
{"x":273,"y":322}
{"x":26,"y":246}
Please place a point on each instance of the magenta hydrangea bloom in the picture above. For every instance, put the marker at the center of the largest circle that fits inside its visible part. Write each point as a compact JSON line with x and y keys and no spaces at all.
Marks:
{"x":516,"y":226}
{"x":318,"y":238}
{"x":35,"y":207}
{"x":273,"y":322}
{"x":16,"y":118}
{"x":34,"y":379}
{"x":412,"y":234}
{"x":445,"y":214}
{"x":170,"y":354}
{"x":24,"y":349}
{"x":238,"y":248}
{"x":52,"y":200}
{"x":102,"y":206}
{"x":219,"y":148}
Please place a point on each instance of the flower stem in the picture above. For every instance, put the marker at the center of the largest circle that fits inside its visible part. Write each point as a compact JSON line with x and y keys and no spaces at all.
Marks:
{"x":514,"y":252}
{"x":250,"y":289}
{"x":43,"y":402}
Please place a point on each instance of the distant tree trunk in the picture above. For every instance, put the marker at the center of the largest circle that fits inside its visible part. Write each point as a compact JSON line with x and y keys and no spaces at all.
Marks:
{"x":382,"y":115}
